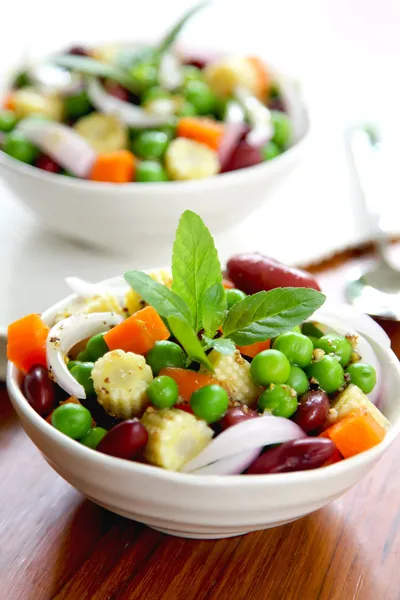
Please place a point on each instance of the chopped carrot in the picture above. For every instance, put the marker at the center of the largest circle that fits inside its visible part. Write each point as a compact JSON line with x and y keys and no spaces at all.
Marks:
{"x":336,"y":457}
{"x":228,"y":285}
{"x":201,"y":129}
{"x":188,"y":381}
{"x":264,"y":79}
{"x":355,"y":433}
{"x":138,"y":333}
{"x":114,"y":167}
{"x":26,"y":339}
{"x":253,"y":349}
{"x":9,"y":102}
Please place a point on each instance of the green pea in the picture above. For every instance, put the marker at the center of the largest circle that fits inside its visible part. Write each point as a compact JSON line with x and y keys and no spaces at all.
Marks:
{"x":328,"y":373}
{"x":296,"y":328}
{"x":144,"y":74}
{"x":163,"y":392}
{"x":150,"y":144}
{"x":96,"y":347}
{"x":270,"y":151}
{"x":72,"y":363}
{"x":363,"y":376}
{"x":77,"y":105}
{"x":83,"y":375}
{"x":150,"y":171}
{"x":187,"y":110}
{"x":338,"y":345}
{"x":233,"y":296}
{"x":165,"y":354}
{"x":210,"y":403}
{"x":310,"y":330}
{"x":72,"y":419}
{"x":282,"y":129}
{"x":154,"y":93}
{"x":67,"y":173}
{"x":8,"y":121}
{"x":93,"y":437}
{"x":191,"y":73}
{"x":17,"y":146}
{"x":270,"y":366}
{"x":83,"y":356}
{"x":298,"y":380}
{"x":297,"y":347}
{"x":200,"y":95}
{"x":21,"y":80}
{"x":281,"y":400}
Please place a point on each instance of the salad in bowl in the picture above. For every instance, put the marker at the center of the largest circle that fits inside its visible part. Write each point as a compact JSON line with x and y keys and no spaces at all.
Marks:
{"x":188,"y":371}
{"x":130,"y":113}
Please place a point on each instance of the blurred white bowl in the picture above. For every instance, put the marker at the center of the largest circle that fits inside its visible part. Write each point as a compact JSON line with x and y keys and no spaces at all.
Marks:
{"x":120,"y":217}
{"x":202,"y":506}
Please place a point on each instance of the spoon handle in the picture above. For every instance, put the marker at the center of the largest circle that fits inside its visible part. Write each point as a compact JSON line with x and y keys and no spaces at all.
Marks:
{"x":364,"y":147}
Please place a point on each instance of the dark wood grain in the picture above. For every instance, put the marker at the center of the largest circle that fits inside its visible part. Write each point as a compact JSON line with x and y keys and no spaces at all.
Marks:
{"x":56,"y":544}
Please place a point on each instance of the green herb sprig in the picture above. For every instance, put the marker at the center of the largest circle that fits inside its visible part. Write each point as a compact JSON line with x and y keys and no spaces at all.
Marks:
{"x":195,"y":308}
{"x":122,"y":70}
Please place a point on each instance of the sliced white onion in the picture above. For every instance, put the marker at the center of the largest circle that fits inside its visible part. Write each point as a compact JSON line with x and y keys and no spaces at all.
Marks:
{"x":63,"y":336}
{"x":245,"y":436}
{"x":129,"y":113}
{"x":53,"y":80}
{"x":85,"y":289}
{"x":233,"y":465}
{"x":169,"y":72}
{"x":235,"y":126}
{"x":259,"y":116}
{"x":64,"y":145}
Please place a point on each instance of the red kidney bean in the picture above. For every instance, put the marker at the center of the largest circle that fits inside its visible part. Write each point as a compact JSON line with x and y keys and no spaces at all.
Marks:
{"x":47,"y":164}
{"x":297,"y":455}
{"x":39,"y":390}
{"x":125,"y":440}
{"x":254,"y":272}
{"x":116,"y":90}
{"x":243,"y":156}
{"x":236,"y":415}
{"x":78,"y":51}
{"x":312,"y":411}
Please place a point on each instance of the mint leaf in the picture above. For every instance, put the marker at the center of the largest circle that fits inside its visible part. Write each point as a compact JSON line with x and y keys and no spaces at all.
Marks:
{"x":166,"y":303}
{"x":268,"y":314}
{"x":221,"y":345}
{"x":189,"y":340}
{"x":90,"y":66}
{"x":213,"y":308}
{"x":195,"y":264}
{"x":171,"y":35}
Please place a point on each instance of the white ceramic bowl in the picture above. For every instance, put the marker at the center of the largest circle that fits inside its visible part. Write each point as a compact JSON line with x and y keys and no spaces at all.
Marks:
{"x":122,"y":217}
{"x":196,"y":506}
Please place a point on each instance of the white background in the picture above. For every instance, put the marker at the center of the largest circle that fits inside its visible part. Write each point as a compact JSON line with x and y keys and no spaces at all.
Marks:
{"x":346,"y":54}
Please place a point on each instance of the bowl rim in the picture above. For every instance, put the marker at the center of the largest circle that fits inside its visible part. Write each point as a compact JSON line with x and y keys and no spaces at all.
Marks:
{"x":132,"y":467}
{"x":219,"y":180}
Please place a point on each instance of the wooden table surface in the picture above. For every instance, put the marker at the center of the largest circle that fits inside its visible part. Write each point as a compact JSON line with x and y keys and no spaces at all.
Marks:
{"x":56,"y":544}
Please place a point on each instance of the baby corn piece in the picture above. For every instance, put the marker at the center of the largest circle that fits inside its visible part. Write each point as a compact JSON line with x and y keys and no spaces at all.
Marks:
{"x":175,"y":437}
{"x":134,"y":302}
{"x":350,"y":400}
{"x":104,"y":303}
{"x":187,"y":159}
{"x":233,"y":372}
{"x":121,"y":380}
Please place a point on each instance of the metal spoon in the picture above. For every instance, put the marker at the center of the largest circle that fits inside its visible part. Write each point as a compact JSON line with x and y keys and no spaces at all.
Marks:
{"x":377,"y":291}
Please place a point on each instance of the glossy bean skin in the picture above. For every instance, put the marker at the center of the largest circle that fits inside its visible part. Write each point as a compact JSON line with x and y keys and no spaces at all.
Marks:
{"x":236,"y":415}
{"x":125,"y":440}
{"x":39,"y":390}
{"x":254,"y":272}
{"x":297,"y":455}
{"x":312,"y":411}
